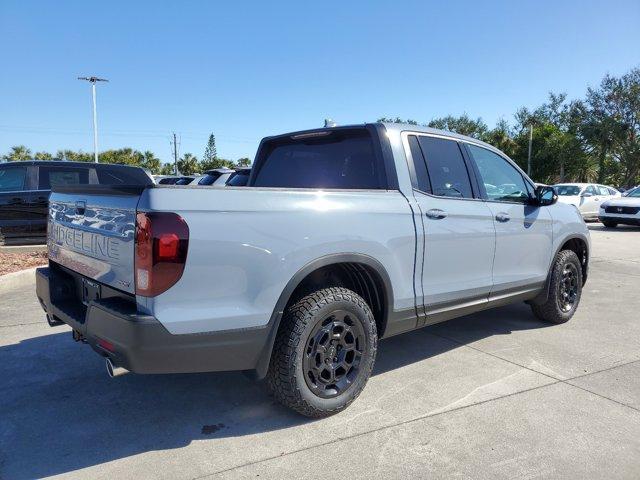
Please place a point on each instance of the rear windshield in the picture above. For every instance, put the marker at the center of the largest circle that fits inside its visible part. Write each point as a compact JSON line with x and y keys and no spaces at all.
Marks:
{"x":122,"y":176}
{"x":239,"y":179}
{"x":342,"y":159}
{"x":567,"y":190}
{"x":209,"y":178}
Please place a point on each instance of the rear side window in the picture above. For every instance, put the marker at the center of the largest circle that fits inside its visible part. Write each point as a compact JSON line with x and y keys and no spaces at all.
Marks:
{"x":445,"y":165}
{"x":57,"y":176}
{"x":13,"y":179}
{"x":419,"y":166}
{"x":343,"y":159}
{"x":603,"y":190}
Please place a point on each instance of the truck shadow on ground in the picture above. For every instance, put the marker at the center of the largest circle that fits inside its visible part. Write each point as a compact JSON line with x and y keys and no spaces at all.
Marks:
{"x":61,"y":413}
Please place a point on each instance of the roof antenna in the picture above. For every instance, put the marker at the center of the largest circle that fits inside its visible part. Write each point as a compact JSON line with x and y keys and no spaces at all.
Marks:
{"x":328,"y":123}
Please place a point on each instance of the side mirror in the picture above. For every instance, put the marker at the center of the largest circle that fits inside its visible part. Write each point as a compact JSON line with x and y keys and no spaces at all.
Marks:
{"x":586,"y":194}
{"x":545,"y":195}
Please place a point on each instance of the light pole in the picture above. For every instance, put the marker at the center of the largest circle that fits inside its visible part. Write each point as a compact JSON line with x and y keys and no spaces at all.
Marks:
{"x":530,"y":144}
{"x":93,"y":81}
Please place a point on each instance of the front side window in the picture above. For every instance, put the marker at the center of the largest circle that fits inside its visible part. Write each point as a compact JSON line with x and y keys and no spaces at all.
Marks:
{"x":446,"y":168}
{"x":13,"y":179}
{"x":502,"y":182}
{"x":591,"y":189}
{"x":336,"y":159}
{"x":58,"y":176}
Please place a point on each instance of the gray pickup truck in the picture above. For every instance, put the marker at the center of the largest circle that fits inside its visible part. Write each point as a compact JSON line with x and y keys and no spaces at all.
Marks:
{"x":343,"y":236}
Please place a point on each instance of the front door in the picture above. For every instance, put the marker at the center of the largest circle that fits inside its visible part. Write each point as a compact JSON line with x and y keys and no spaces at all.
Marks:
{"x":523,"y":231}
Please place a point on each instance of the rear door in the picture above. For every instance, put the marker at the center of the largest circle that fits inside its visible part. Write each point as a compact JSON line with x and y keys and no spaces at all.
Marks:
{"x":523,"y":231}
{"x":91,"y":231}
{"x":590,"y":203}
{"x":459,"y":236}
{"x":15,"y":199}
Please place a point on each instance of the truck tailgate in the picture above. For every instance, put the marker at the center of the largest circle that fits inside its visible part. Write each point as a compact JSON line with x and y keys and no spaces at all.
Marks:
{"x":91,"y":231}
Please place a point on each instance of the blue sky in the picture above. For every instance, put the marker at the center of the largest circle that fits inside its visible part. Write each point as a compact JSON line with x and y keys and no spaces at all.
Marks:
{"x":244,"y":70}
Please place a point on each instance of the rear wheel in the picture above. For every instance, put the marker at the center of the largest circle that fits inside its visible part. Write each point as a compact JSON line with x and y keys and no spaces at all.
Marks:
{"x":324,"y":352}
{"x":565,"y":289}
{"x":609,"y":224}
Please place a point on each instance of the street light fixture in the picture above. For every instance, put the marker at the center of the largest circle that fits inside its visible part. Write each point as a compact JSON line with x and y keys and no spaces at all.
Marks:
{"x":93,"y":81}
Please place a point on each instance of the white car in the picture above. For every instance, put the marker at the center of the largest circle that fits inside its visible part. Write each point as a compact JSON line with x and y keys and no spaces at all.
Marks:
{"x":586,"y":197}
{"x":625,"y":210}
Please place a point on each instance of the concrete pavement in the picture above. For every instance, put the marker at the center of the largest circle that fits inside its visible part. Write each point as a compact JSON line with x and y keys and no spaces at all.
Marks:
{"x":492,"y":395}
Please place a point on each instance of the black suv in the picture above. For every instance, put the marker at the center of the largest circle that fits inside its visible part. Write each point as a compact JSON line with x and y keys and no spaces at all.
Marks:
{"x":25,"y":188}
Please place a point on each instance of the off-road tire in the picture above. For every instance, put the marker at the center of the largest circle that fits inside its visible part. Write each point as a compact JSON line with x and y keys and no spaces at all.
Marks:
{"x":552,"y":310}
{"x":286,"y":377}
{"x":609,"y":224}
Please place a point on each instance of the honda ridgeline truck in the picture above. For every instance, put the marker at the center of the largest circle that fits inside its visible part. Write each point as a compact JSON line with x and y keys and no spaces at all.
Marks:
{"x":342,"y":236}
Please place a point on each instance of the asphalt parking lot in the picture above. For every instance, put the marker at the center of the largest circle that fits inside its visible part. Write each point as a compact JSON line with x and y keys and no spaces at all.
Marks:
{"x":491,"y":395}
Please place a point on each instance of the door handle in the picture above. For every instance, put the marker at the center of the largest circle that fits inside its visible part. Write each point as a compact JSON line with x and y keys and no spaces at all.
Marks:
{"x":436,"y":214}
{"x":503,"y":217}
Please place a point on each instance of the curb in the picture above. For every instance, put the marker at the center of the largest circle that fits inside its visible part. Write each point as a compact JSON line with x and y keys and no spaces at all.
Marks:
{"x":22,"y":248}
{"x":14,"y":280}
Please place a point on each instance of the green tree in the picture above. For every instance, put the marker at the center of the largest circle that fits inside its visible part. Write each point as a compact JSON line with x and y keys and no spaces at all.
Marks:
{"x":397,"y":120}
{"x":216,"y":163}
{"x":17,"y":153}
{"x":43,"y":156}
{"x":188,"y":164}
{"x":464,"y":125}
{"x":210,"y":151}
{"x":167,"y":169}
{"x":243,"y":162}
{"x":73,"y":156}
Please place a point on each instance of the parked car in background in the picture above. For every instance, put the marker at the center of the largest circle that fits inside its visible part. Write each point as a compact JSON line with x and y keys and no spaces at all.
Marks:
{"x":176,"y":180}
{"x":343,"y":236}
{"x":217,"y":176}
{"x":624,"y":210}
{"x":586,"y":197}
{"x":239,"y":178}
{"x":25,"y":189}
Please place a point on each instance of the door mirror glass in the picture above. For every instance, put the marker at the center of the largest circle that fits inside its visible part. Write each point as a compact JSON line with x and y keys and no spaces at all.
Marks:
{"x":546,"y":195}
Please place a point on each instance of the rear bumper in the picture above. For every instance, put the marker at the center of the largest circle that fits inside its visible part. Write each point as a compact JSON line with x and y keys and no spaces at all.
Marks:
{"x":628,"y":220}
{"x":140,"y":343}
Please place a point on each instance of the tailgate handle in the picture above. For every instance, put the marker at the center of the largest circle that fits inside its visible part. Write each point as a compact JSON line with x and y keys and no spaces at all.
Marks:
{"x":81,"y":207}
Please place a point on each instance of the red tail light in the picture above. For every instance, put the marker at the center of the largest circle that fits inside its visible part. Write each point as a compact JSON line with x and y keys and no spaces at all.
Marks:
{"x":162,"y":239}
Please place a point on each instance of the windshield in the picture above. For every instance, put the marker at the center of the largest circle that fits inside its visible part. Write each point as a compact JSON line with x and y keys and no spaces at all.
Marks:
{"x":634,"y":193}
{"x":567,"y":190}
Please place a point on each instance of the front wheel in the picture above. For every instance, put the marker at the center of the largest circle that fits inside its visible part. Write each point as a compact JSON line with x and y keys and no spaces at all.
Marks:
{"x":324,"y":352}
{"x":565,"y":289}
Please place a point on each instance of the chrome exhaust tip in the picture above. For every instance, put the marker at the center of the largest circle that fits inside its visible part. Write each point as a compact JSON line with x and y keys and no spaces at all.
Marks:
{"x":114,"y":371}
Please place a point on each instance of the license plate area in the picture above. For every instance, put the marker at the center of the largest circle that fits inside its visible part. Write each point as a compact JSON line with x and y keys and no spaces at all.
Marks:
{"x":90,"y":291}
